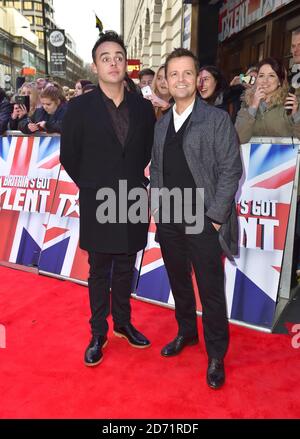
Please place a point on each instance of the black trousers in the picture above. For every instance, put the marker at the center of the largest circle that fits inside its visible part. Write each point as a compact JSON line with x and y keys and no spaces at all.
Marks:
{"x":110,"y":272}
{"x":180,"y":252}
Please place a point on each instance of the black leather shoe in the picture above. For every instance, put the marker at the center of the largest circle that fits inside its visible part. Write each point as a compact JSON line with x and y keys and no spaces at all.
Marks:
{"x":215,"y":373}
{"x":176,"y":346}
{"x":93,"y":354}
{"x":132,"y":335}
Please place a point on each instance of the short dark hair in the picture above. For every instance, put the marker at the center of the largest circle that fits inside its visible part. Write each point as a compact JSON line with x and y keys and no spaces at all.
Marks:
{"x":178,"y":53}
{"x":221,"y":83}
{"x":296,"y":31}
{"x":108,"y":36}
{"x":88,"y":87}
{"x":83,"y":82}
{"x":146,"y":72}
{"x":277,"y":65}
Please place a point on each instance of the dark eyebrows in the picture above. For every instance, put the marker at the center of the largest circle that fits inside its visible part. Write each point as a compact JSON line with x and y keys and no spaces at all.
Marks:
{"x":119,"y":52}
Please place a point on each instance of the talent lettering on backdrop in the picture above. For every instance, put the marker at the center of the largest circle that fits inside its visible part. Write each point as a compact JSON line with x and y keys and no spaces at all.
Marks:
{"x":29,"y":167}
{"x":236,"y":15}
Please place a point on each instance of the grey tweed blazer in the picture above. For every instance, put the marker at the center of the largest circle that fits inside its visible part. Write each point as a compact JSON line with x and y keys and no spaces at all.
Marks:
{"x":211,"y":149}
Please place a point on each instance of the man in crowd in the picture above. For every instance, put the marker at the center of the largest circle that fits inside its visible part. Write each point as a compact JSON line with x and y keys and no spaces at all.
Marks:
{"x":106,"y":138}
{"x":294,"y":74}
{"x":196,"y":146}
{"x":146,"y":77}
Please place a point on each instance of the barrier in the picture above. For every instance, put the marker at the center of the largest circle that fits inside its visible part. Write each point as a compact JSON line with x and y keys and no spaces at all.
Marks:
{"x":39,"y":223}
{"x":267,"y":187}
{"x":39,"y":217}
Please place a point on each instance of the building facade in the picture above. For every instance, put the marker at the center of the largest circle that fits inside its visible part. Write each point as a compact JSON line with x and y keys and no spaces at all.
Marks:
{"x":18,"y":48}
{"x":33,"y":13}
{"x":252,"y":30}
{"x":153,"y":28}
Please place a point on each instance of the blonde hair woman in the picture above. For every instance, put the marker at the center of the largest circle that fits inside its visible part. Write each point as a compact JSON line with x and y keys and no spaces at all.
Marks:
{"x":160,"y":97}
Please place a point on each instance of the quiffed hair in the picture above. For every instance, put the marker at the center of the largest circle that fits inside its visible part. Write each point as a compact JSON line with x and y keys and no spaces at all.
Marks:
{"x":144,"y":72}
{"x":108,"y":36}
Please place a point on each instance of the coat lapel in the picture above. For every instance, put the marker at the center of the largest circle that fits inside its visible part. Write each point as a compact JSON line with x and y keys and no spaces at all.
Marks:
{"x":163,"y":129}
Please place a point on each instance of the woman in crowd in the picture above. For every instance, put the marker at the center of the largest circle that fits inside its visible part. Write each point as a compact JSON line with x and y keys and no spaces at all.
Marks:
{"x":214,"y":89}
{"x":269,"y":110}
{"x":48,"y":118}
{"x":160,"y":98}
{"x":20,"y":111}
{"x":79,"y":86}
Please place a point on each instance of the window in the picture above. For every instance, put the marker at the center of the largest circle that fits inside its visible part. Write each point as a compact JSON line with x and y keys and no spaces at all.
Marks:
{"x":30,"y":18}
{"x":38,"y":6}
{"x":261,"y":48}
{"x":25,"y":57}
{"x":27,"y":5}
{"x":40,"y":34}
{"x":31,"y":59}
{"x":39,"y":21}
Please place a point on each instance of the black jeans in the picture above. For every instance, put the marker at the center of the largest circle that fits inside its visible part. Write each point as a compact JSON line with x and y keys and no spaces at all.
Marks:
{"x":107,"y":271}
{"x":202,"y":251}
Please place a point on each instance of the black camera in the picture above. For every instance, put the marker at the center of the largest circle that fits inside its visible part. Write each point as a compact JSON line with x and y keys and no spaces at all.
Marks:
{"x":23,"y":100}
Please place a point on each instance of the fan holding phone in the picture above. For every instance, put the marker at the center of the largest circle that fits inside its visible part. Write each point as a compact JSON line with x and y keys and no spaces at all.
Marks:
{"x":25,"y":104}
{"x":158,"y":93}
{"x":270,"y":108}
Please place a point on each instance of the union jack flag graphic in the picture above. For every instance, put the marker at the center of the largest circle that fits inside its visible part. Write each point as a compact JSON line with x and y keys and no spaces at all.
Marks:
{"x":61,"y":253}
{"x":29,"y":167}
{"x":263,"y":204}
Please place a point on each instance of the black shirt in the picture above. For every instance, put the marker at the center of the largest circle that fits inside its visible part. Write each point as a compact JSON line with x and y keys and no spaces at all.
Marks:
{"x":119,"y":117}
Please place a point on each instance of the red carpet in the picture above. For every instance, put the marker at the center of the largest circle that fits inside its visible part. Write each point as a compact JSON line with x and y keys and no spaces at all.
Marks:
{"x":42,"y":373}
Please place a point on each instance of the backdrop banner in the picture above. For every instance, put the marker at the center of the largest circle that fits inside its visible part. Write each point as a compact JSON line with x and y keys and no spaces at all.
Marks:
{"x":263,"y":206}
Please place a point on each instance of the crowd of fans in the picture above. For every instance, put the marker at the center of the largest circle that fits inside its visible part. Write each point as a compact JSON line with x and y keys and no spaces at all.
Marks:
{"x":47,"y":103}
{"x":259,"y":102}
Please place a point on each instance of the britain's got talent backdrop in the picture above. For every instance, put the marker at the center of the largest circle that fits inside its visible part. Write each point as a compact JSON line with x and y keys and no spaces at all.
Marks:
{"x":263,"y":204}
{"x":39,"y":224}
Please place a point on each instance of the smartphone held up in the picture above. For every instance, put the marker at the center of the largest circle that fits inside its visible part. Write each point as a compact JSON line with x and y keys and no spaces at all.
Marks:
{"x":146,"y":91}
{"x":293,"y":91}
{"x":23,"y":100}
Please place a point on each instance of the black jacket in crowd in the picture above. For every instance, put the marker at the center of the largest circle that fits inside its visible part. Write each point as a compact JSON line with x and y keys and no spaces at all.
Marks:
{"x":5,"y":112}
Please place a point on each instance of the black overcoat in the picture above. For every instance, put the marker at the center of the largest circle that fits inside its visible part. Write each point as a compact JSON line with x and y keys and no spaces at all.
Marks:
{"x":94,"y":158}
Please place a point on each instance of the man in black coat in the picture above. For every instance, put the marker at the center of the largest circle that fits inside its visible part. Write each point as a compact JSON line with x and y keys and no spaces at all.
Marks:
{"x":106,"y":144}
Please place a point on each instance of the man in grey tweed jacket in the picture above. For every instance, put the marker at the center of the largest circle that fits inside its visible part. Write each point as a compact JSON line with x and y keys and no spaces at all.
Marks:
{"x":196,"y":146}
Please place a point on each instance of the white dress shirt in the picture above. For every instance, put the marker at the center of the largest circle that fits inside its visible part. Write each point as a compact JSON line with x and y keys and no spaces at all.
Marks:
{"x":179,"y":119}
